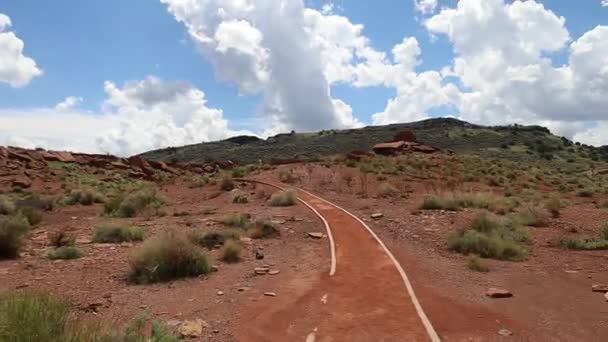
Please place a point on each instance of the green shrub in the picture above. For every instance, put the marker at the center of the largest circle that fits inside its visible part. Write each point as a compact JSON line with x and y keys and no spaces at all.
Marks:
{"x":554,"y":207}
{"x":263,"y":229}
{"x":12,"y":232}
{"x":147,"y":199}
{"x":32,"y":215}
{"x":167,"y":257}
{"x":83,"y":196}
{"x":198,"y":182}
{"x":7,"y":207}
{"x":61,"y":238}
{"x":585,"y":244}
{"x":231,"y":251}
{"x":432,"y":202}
{"x":212,"y":239}
{"x":237,"y":220}
{"x":387,"y":190}
{"x":490,"y":238}
{"x":43,"y":203}
{"x":240,"y":199}
{"x":475,"y":264}
{"x":532,"y":216}
{"x":604,"y":231}
{"x":283,"y":199}
{"x":288,"y":177}
{"x":65,"y":253}
{"x":115,"y":234}
{"x":239,"y":172}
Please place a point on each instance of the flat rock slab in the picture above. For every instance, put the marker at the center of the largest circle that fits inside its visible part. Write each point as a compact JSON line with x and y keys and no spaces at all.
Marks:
{"x":315,"y":235}
{"x":498,"y":293}
{"x":599,"y":288}
{"x":270,"y":294}
{"x":377,"y":216}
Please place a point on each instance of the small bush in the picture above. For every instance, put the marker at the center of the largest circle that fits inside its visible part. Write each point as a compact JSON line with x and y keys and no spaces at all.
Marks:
{"x":43,"y":203}
{"x":65,"y":253}
{"x":387,"y":190}
{"x":226,"y":184}
{"x":12,"y":231}
{"x":239,"y":172}
{"x":142,"y":200}
{"x":532,"y":216}
{"x":475,"y":264}
{"x":7,"y":207}
{"x":431,"y":202}
{"x":237,"y":220}
{"x":240,"y":199}
{"x":198,"y":182}
{"x":32,"y":215}
{"x":282,"y":199}
{"x":490,"y":238}
{"x":83,"y":196}
{"x":167,"y":257}
{"x":231,"y":251}
{"x":61,"y":238}
{"x":554,"y":207}
{"x":585,"y":244}
{"x":288,"y":177}
{"x":585,"y":193}
{"x":117,"y":234}
{"x":263,"y":229}
{"x":604,"y":231}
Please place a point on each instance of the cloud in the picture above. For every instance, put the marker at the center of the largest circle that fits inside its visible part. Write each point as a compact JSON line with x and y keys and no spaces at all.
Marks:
{"x":425,"y":6}
{"x":139,"y":116}
{"x":16,"y":69}
{"x":266,"y":48}
{"x":604,"y":3}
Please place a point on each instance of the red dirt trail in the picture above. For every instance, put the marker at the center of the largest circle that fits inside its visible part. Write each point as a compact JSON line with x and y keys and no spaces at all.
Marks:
{"x":365,"y":300}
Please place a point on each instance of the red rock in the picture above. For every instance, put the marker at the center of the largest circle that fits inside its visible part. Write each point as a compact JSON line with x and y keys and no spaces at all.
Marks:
{"x":599,"y":288}
{"x":159,"y":165}
{"x":19,"y":156}
{"x":119,"y":165}
{"x":21,"y":182}
{"x":423,"y":148}
{"x":498,"y":293}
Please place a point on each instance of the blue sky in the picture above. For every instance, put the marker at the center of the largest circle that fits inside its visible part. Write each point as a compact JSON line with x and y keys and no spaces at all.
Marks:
{"x":79,"y":45}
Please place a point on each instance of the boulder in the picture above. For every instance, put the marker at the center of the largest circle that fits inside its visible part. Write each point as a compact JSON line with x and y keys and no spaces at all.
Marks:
{"x":599,"y":288}
{"x":159,"y":165}
{"x":21,"y":182}
{"x":498,"y":293}
{"x":191,"y":329}
{"x":19,"y":156}
{"x":315,"y":235}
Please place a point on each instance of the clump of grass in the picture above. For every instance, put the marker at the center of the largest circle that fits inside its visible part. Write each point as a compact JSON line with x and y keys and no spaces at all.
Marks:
{"x":589,"y":244}
{"x":604,"y":231}
{"x":7,"y":207}
{"x":490,"y":238}
{"x":554,"y":207}
{"x":32,"y":215}
{"x":240,"y":199}
{"x":231,"y":251}
{"x":239,"y":172}
{"x":61,"y":238}
{"x":282,"y":199}
{"x":83,"y":196}
{"x":116,"y":234}
{"x":147,"y":199}
{"x":167,"y":257}
{"x":532,"y":216}
{"x":12,"y":231}
{"x":475,"y":264}
{"x":263,"y":229}
{"x":387,"y":190}
{"x":457,"y":201}
{"x":212,"y":239}
{"x":65,"y":253}
{"x":288,"y":177}
{"x":432,"y":202}
{"x":226,"y":184}
{"x":238,"y":220}
{"x":198,"y":182}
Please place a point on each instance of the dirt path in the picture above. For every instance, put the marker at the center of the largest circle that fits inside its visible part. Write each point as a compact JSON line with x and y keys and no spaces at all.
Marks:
{"x":368,"y":298}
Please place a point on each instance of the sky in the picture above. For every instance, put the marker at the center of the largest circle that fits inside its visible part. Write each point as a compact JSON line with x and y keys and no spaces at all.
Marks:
{"x":125,"y":77}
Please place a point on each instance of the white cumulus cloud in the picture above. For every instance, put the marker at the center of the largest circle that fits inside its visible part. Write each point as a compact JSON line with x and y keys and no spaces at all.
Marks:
{"x":425,"y":6}
{"x":16,"y":69}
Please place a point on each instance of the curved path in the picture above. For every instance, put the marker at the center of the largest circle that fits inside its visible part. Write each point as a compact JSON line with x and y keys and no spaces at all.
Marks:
{"x":365,"y":297}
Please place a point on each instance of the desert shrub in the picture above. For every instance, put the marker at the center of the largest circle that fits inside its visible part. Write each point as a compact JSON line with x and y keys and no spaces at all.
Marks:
{"x":475,"y":264}
{"x":490,"y":238}
{"x":554,"y":207}
{"x":166,"y":257}
{"x":7,"y":207}
{"x":585,"y":193}
{"x":226,"y":184}
{"x":12,"y":232}
{"x":31,"y":316}
{"x":148,"y":200}
{"x":432,"y":202}
{"x":532,"y":216}
{"x":288,"y":177}
{"x":585,"y":244}
{"x":82,"y":196}
{"x":198,"y":182}
{"x":604,"y":231}
{"x":115,"y":234}
{"x":238,"y":220}
{"x":240,"y":199}
{"x":61,"y":238}
{"x":212,"y":239}
{"x":43,"y":203}
{"x":231,"y":252}
{"x":387,"y":190}
{"x":32,"y":215}
{"x":65,"y":253}
{"x":263,"y":229}
{"x":282,"y":199}
{"x":239,"y":172}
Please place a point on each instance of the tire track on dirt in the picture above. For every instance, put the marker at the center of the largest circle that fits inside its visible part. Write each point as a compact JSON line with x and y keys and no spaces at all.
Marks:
{"x":365,"y":297}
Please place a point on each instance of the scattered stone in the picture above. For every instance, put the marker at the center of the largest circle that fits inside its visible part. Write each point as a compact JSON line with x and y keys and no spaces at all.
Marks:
{"x":505,"y":332}
{"x":259,"y":255}
{"x":83,"y":241}
{"x":261,"y":270}
{"x":570,"y":271}
{"x":214,"y":268}
{"x":599,"y":288}
{"x":220,"y":293}
{"x":270,"y":294}
{"x":315,"y":235}
{"x":274,"y":272}
{"x":173,"y":323}
{"x":606,"y":296}
{"x":216,"y":331}
{"x":278,"y":222}
{"x":498,"y":293}
{"x":243,"y":289}
{"x":191,"y":329}
{"x":376,"y":216}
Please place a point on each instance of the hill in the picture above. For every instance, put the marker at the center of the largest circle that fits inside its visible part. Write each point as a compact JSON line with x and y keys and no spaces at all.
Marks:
{"x":512,"y":142}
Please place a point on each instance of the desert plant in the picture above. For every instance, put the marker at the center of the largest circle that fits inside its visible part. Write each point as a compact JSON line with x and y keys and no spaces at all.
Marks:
{"x":239,"y":172}
{"x":166,"y":257}
{"x":532,"y":216}
{"x":490,"y":238}
{"x":226,"y":184}
{"x":432,"y":202}
{"x":12,"y":231}
{"x":198,"y":182}
{"x":387,"y":190}
{"x":231,"y":252}
{"x":83,"y":196}
{"x":475,"y":264}
{"x":282,"y":199}
{"x":61,"y":238}
{"x":585,"y":244}
{"x":147,"y":199}
{"x":263,"y":229}
{"x":288,"y":177}
{"x":604,"y":231}
{"x":7,"y":207}
{"x":65,"y":253}
{"x":114,"y":234}
{"x":32,"y":215}
{"x":238,"y":220}
{"x":554,"y":207}
{"x":240,"y":199}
